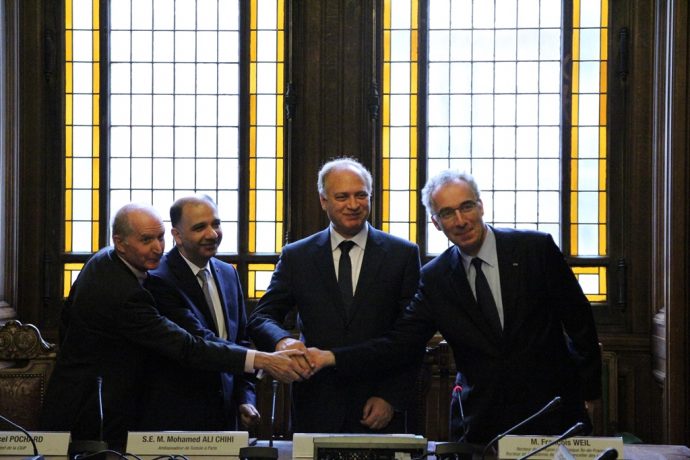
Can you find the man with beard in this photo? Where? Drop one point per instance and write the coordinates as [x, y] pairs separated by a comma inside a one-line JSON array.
[[203, 295], [349, 282]]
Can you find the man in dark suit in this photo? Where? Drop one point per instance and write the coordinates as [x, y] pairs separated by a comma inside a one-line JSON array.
[[343, 296], [179, 397], [110, 328], [538, 340]]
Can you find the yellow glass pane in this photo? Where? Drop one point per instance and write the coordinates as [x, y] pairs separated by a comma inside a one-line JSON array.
[[605, 17], [69, 271], [399, 164], [76, 170], [273, 85], [603, 142], [68, 236], [602, 109], [595, 287], [252, 204], [385, 146], [68, 77], [279, 234], [602, 199], [95, 246], [386, 213], [252, 236], [68, 14], [95, 205], [68, 107], [258, 273]]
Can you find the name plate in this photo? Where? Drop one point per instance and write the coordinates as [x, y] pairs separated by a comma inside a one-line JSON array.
[[16, 443], [588, 447], [213, 443]]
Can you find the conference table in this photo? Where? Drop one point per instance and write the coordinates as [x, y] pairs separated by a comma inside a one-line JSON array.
[[631, 451]]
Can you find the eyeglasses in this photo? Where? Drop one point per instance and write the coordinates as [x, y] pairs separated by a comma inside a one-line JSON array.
[[466, 207]]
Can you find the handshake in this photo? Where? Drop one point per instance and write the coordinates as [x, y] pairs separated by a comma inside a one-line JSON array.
[[293, 361]]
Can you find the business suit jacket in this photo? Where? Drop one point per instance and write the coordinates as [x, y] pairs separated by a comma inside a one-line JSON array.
[[305, 278], [548, 348], [180, 397], [111, 326]]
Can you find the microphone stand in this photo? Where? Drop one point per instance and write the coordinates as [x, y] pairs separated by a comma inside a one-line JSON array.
[[459, 450], [260, 452], [36, 456], [572, 431], [553, 404]]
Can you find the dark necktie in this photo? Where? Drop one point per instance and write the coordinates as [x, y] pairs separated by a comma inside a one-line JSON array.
[[484, 297], [345, 271], [203, 275]]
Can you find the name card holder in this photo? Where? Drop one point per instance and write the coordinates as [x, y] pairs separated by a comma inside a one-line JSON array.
[[188, 443], [17, 444], [581, 448]]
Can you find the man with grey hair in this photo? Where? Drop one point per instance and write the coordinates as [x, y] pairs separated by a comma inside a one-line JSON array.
[[349, 282], [110, 328], [521, 330]]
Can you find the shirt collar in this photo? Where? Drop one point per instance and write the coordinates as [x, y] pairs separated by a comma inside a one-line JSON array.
[[194, 267], [359, 239], [487, 252], [141, 276]]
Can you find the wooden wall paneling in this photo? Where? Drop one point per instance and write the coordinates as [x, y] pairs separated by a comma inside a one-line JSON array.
[[39, 163], [671, 266], [331, 61], [677, 219], [9, 159]]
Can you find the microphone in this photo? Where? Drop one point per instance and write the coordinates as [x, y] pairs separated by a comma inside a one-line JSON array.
[[608, 454], [572, 431], [270, 452], [459, 450], [554, 404], [78, 448], [274, 394], [36, 456], [457, 393]]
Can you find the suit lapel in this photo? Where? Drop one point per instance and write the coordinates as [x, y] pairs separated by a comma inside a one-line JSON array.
[[322, 255], [458, 279], [190, 285]]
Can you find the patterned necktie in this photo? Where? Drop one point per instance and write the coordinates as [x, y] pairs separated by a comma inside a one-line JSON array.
[[345, 272], [485, 299], [204, 275]]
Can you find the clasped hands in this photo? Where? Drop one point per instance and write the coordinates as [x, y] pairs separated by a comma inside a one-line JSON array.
[[293, 361], [297, 362]]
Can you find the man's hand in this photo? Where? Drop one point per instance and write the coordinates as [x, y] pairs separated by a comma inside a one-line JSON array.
[[249, 416], [288, 343], [281, 365], [320, 358], [377, 413]]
